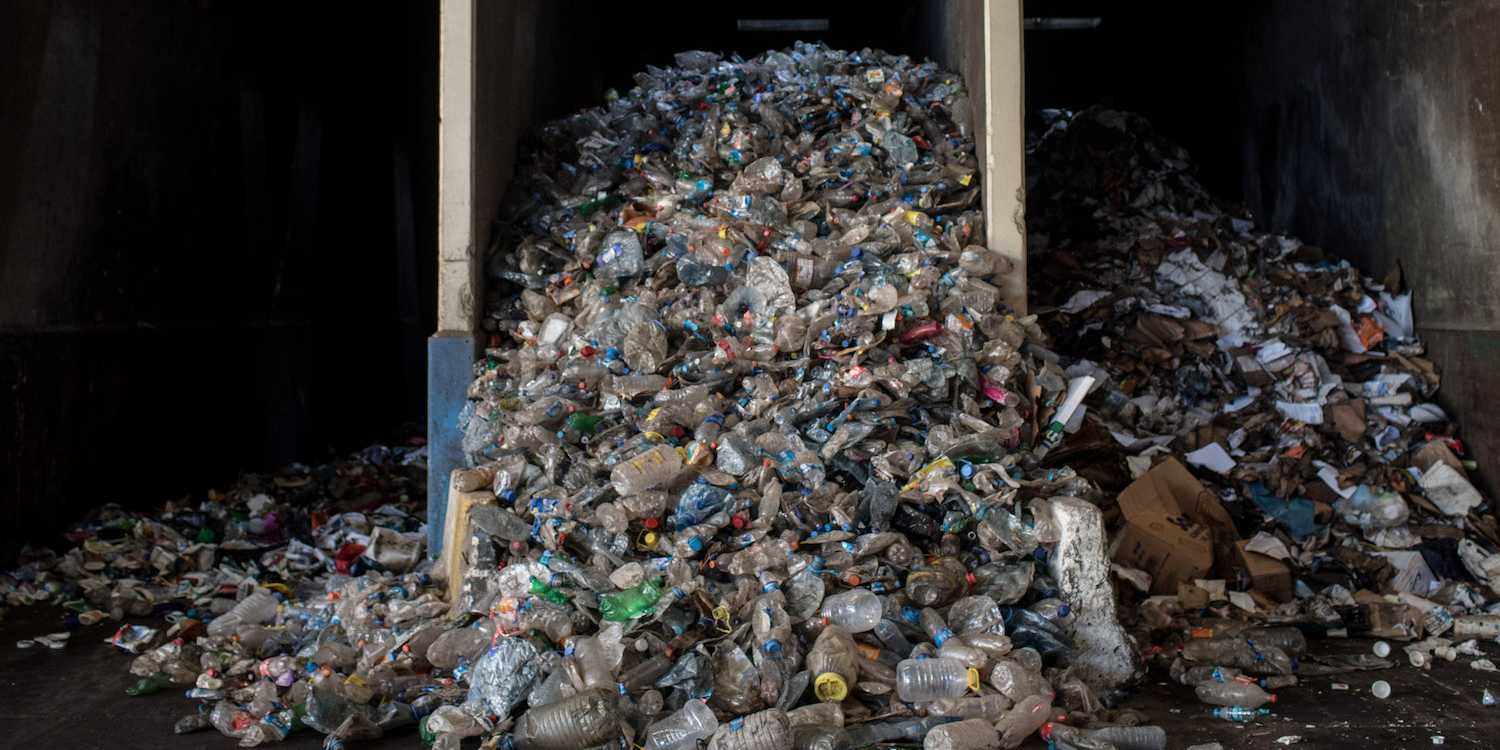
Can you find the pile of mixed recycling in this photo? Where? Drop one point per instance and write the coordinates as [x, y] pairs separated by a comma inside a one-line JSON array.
[[761, 458]]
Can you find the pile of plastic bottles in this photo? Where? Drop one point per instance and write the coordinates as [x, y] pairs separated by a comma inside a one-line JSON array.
[[761, 459], [753, 440]]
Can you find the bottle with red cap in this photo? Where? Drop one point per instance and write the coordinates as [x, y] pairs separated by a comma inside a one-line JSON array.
[[1024, 718], [1234, 693], [857, 610]]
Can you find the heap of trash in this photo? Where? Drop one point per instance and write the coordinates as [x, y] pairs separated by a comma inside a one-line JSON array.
[[760, 458]]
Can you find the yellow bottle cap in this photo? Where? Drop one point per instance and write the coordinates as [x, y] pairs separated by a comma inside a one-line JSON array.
[[830, 686]]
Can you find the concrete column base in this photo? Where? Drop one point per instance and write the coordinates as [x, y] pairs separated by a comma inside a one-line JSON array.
[[1107, 658]]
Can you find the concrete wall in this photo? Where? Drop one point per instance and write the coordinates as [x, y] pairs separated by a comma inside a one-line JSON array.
[[1373, 130], [211, 256]]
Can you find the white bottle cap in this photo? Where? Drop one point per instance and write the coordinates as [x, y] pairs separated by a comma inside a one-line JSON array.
[[1381, 689], [1382, 649]]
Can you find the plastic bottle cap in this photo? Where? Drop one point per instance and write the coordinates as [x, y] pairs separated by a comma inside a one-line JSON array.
[[695, 544], [1064, 610], [1381, 689], [649, 539], [651, 523], [1382, 649], [772, 648], [830, 687]]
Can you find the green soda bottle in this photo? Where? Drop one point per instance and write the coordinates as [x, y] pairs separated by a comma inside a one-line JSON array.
[[632, 602], [151, 683], [541, 589]]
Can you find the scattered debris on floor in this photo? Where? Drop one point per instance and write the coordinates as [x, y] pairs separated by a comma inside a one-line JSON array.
[[762, 459]]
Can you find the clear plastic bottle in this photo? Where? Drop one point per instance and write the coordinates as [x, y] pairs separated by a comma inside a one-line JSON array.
[[1203, 674], [1022, 720], [1017, 680], [766, 730], [920, 680], [682, 729], [649, 670], [1238, 713], [471, 480], [772, 627], [647, 470], [1132, 738], [1234, 693], [1237, 652], [935, 626], [735, 681], [857, 610], [890, 634], [969, 734], [499, 522], [833, 664], [820, 737], [989, 707], [256, 609], [584, 720], [1055, 611], [1290, 640]]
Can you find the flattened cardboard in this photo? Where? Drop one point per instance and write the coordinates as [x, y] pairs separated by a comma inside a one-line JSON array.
[[1174, 526]]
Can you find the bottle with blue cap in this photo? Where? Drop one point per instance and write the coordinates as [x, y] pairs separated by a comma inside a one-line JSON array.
[[1055, 611], [691, 541]]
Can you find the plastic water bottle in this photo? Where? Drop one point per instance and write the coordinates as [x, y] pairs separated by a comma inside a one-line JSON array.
[[645, 471], [1024, 718], [821, 737], [969, 734], [1238, 713], [766, 730], [856, 611], [682, 729], [1234, 693], [890, 634], [1055, 611], [989, 707], [1132, 738], [920, 680], [935, 626], [1064, 737], [257, 608], [587, 719], [832, 663]]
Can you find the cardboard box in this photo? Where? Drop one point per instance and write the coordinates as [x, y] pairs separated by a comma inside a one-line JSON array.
[[1172, 524], [1412, 573], [1268, 575]]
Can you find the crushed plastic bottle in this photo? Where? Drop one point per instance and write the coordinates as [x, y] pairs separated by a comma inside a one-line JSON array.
[[584, 720]]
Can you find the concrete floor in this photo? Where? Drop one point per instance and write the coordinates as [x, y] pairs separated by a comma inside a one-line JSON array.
[[75, 698]]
